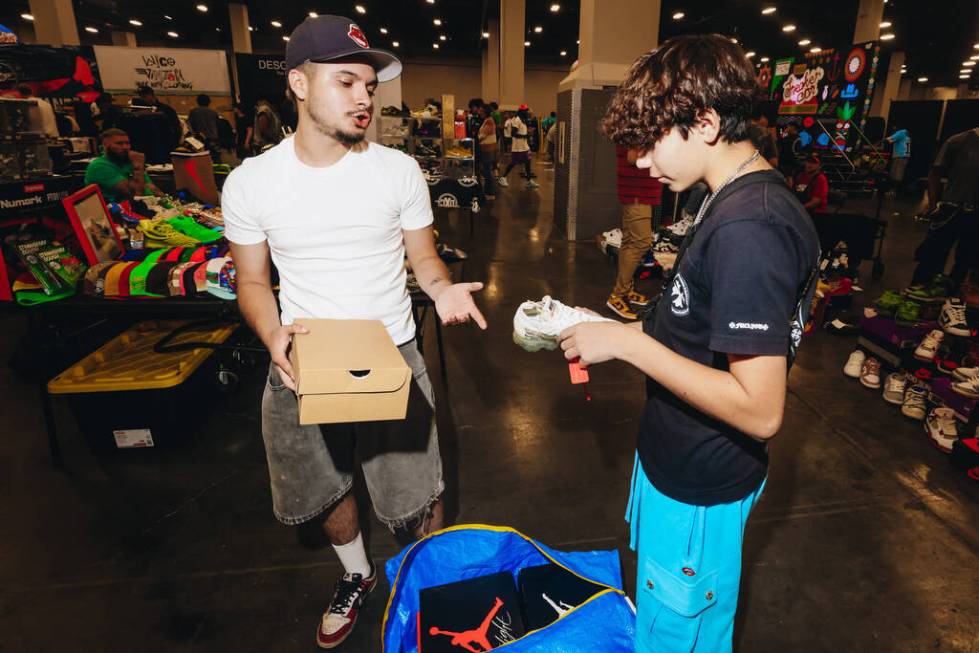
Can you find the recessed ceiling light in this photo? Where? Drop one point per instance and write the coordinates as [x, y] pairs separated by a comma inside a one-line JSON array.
[[538, 29], [885, 24], [92, 30], [815, 49], [441, 37], [437, 21], [395, 44], [970, 62], [285, 38], [276, 23], [734, 40], [764, 60], [173, 35], [431, 2], [435, 46], [804, 42], [555, 8], [27, 16], [965, 71], [202, 8], [974, 57], [564, 53], [526, 44], [485, 35], [383, 30], [678, 15], [578, 42], [135, 23], [886, 37], [789, 28], [251, 29], [360, 9], [168, 17], [313, 14], [975, 46], [922, 79], [963, 77], [217, 29], [768, 11], [750, 54]]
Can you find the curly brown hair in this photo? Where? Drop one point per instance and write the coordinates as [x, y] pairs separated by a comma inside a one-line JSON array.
[[674, 84]]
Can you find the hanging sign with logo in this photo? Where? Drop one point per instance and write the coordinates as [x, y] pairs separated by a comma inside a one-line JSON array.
[[165, 70]]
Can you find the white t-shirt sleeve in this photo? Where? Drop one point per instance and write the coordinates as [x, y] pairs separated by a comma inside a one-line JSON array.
[[240, 224], [416, 206]]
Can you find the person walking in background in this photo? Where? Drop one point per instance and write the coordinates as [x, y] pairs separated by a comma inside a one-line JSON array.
[[954, 212], [900, 139], [520, 152], [507, 130], [49, 124], [638, 194], [146, 97], [811, 185], [487, 149], [762, 137], [788, 150], [204, 120]]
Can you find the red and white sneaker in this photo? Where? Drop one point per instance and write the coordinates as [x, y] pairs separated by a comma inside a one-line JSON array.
[[341, 615]]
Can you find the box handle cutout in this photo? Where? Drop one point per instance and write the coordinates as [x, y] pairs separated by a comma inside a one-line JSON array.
[[359, 374]]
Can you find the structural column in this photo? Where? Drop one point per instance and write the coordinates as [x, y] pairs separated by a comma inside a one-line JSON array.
[[613, 34], [491, 63], [125, 39], [54, 22], [512, 37], [241, 37], [869, 15], [889, 90]]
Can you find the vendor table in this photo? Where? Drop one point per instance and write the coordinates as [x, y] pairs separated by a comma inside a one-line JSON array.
[[448, 193], [44, 322]]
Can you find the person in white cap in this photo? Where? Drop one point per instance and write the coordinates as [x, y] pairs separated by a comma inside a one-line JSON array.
[[337, 215]]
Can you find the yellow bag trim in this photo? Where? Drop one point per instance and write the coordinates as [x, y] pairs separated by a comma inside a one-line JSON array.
[[496, 529]]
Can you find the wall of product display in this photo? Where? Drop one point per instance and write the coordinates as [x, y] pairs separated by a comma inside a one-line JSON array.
[[23, 145]]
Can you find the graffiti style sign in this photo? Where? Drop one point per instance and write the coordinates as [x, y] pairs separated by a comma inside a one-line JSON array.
[[798, 92], [170, 70]]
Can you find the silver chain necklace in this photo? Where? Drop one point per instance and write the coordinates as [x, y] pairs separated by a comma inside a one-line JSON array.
[[710, 198]]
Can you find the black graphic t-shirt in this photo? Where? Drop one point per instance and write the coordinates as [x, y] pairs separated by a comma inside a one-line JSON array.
[[735, 292]]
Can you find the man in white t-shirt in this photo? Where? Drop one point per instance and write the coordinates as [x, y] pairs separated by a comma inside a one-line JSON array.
[[520, 152], [337, 216]]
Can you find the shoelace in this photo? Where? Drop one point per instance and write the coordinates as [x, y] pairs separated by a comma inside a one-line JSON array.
[[345, 594], [956, 313]]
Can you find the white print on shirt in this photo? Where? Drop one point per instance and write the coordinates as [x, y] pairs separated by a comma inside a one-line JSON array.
[[561, 608], [680, 304], [751, 326]]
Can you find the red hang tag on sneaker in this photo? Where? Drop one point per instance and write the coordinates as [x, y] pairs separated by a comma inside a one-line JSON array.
[[578, 373]]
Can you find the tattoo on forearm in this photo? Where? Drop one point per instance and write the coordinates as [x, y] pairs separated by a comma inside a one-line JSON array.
[[435, 281]]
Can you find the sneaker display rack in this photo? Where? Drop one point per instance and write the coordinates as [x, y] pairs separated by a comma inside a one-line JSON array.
[[920, 345]]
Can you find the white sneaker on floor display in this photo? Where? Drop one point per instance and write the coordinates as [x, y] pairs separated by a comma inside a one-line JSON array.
[[894, 387], [942, 429], [503, 182], [926, 350], [968, 388], [952, 319], [915, 402], [854, 364], [965, 373], [611, 238], [537, 324], [532, 184], [681, 227], [870, 373]]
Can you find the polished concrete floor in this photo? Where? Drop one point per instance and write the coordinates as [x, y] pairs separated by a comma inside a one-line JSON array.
[[865, 539]]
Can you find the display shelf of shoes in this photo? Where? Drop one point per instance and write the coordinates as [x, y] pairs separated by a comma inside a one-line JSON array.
[[459, 161], [396, 132]]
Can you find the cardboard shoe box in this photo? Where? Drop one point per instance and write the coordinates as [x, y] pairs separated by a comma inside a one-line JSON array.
[[349, 371]]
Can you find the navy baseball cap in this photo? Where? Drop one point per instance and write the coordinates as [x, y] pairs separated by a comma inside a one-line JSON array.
[[326, 38]]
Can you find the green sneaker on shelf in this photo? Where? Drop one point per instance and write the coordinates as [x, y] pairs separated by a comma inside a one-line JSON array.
[[908, 312], [888, 302]]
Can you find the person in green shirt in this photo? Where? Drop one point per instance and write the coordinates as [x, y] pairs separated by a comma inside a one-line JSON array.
[[120, 172]]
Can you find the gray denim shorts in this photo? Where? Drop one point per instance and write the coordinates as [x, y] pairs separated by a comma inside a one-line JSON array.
[[311, 467]]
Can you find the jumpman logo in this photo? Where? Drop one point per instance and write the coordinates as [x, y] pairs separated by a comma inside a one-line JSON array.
[[561, 607], [468, 638]]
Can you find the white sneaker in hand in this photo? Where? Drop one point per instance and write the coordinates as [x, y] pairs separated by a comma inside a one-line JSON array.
[[537, 324]]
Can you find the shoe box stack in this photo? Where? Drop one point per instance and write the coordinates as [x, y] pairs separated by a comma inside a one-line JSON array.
[[924, 339]]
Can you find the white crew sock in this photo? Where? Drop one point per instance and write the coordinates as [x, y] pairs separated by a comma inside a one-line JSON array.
[[353, 556]]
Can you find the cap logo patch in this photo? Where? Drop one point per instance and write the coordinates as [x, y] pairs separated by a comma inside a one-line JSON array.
[[357, 36]]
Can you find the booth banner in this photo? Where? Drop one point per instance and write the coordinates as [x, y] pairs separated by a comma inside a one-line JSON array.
[[260, 77], [65, 72], [828, 92], [165, 70]]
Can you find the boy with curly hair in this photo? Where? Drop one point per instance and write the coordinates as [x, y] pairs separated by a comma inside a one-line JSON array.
[[717, 347]]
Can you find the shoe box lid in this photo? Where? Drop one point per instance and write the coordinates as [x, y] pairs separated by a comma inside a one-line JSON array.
[[349, 371], [888, 330]]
